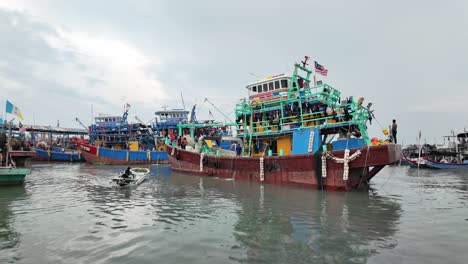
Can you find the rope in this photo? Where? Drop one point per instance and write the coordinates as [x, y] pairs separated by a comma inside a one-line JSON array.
[[324, 165], [201, 161], [365, 165], [262, 170]]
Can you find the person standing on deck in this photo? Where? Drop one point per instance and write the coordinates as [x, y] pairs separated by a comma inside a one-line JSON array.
[[394, 131]]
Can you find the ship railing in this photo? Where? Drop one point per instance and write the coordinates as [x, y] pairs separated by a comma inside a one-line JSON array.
[[282, 126]]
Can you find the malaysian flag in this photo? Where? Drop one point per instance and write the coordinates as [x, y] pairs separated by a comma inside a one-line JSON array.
[[320, 69]]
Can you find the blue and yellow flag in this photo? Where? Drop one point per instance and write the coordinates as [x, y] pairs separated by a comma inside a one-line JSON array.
[[12, 109]]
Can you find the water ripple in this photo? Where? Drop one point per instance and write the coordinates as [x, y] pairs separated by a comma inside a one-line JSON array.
[[70, 213]]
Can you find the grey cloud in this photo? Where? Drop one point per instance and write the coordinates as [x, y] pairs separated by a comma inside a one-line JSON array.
[[401, 55]]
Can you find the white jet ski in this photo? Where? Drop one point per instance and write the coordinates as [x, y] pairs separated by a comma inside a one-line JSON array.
[[134, 178]]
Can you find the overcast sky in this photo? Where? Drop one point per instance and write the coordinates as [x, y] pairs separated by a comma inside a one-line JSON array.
[[409, 58]]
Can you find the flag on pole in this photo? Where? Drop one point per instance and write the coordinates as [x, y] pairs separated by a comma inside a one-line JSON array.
[[320, 69], [12, 109]]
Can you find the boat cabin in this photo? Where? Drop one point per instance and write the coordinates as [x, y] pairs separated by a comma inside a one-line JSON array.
[[168, 119], [108, 121], [114, 131], [268, 85], [282, 111]]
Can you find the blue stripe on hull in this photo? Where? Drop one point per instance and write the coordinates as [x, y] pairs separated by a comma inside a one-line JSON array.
[[132, 155], [58, 156]]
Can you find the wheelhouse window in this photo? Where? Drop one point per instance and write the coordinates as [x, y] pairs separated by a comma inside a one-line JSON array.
[[270, 86], [284, 83], [254, 89], [277, 85], [265, 87]]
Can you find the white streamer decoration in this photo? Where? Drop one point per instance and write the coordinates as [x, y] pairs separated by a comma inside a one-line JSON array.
[[345, 160]]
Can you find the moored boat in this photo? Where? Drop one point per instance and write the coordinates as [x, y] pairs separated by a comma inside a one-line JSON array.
[[113, 140], [445, 165], [56, 154], [287, 126], [102, 155], [13, 176], [414, 162]]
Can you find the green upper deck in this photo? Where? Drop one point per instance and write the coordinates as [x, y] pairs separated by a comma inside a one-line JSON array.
[[300, 105]]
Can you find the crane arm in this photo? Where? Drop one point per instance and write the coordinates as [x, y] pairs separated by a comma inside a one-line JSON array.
[[79, 121]]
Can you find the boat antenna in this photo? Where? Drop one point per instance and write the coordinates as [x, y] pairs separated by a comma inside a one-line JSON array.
[[182, 97], [254, 75]]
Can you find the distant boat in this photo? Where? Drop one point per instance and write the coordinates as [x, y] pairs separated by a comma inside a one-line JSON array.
[[413, 162], [454, 156], [112, 140], [445, 165], [101, 155]]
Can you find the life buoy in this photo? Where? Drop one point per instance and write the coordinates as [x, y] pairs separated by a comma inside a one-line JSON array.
[[253, 103], [204, 161]]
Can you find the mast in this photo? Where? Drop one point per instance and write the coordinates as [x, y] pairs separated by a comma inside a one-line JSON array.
[[182, 97]]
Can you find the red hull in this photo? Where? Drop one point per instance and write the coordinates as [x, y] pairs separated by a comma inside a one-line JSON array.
[[294, 170], [91, 155]]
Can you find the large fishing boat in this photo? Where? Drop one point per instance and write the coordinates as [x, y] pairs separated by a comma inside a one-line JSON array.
[[288, 125], [113, 140]]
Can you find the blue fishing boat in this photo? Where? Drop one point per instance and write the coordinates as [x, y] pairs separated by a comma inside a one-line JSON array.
[[58, 154], [114, 140], [453, 156], [446, 165]]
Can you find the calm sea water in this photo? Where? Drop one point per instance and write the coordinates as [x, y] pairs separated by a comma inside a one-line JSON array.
[[69, 213]]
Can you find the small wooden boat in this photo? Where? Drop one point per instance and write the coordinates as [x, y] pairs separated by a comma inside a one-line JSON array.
[[12, 176], [415, 163], [138, 175], [445, 165]]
